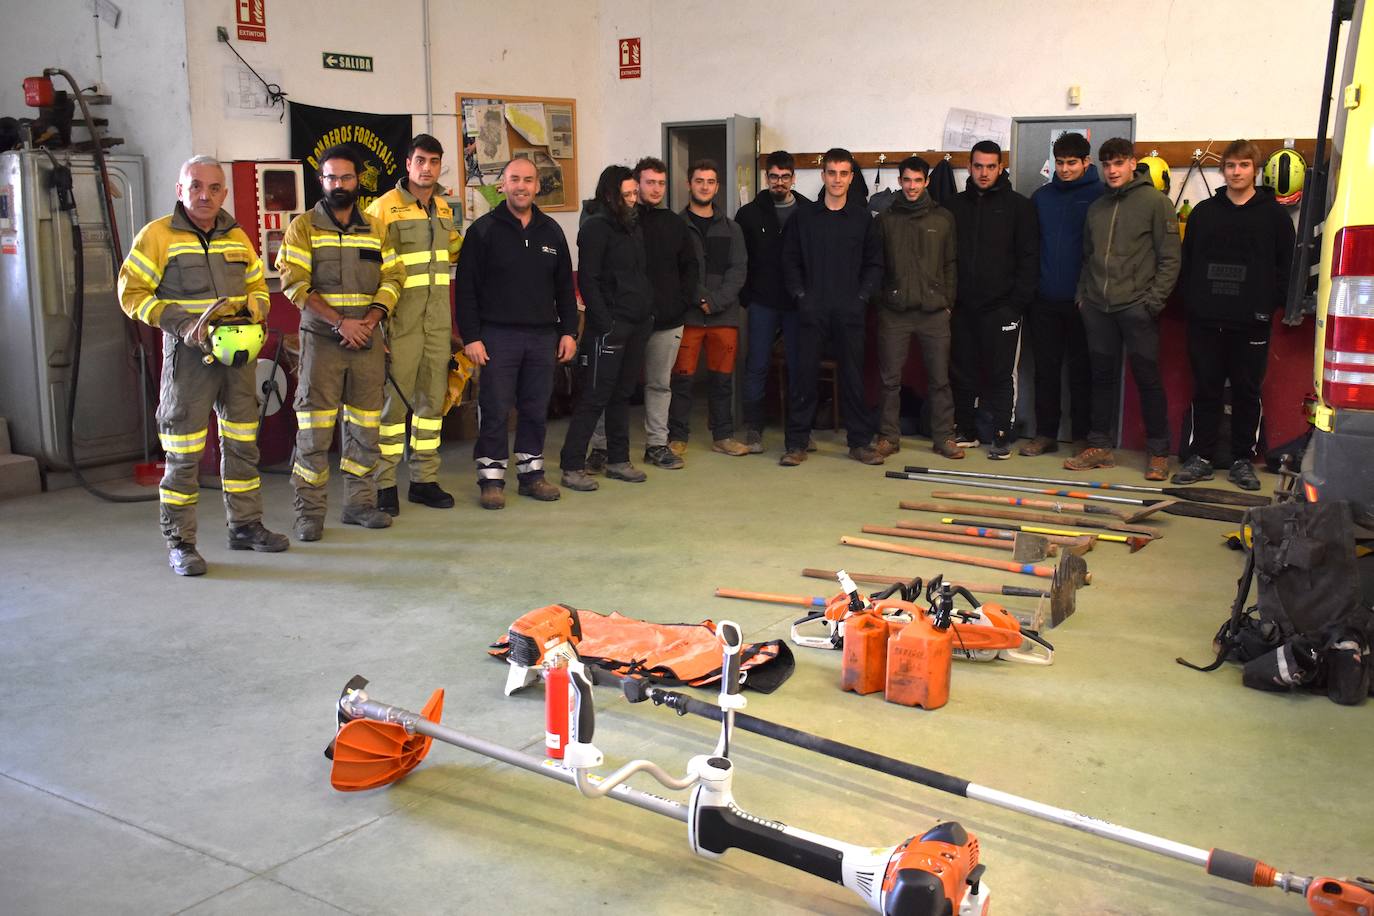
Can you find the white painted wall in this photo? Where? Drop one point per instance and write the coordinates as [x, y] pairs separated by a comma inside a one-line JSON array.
[[521, 47], [142, 62], [821, 74]]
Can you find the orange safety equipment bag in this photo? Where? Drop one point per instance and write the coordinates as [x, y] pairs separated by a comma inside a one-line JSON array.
[[674, 654]]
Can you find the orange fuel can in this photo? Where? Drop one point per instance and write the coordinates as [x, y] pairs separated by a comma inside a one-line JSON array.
[[864, 666], [919, 658]]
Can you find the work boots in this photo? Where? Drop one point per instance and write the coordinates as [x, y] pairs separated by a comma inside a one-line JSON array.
[[1242, 474], [185, 561], [430, 494], [365, 517], [730, 446], [253, 536], [661, 456], [493, 496], [1196, 468], [579, 480], [596, 461], [623, 470], [388, 501], [309, 528], [540, 489], [1091, 457]]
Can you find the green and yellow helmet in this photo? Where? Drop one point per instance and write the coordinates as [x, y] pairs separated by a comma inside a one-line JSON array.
[[1284, 172], [1157, 169], [236, 343]]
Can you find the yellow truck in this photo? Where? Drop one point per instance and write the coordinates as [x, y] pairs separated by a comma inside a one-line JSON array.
[[1339, 462]]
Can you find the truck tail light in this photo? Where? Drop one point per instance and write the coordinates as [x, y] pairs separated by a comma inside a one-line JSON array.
[[1348, 362]]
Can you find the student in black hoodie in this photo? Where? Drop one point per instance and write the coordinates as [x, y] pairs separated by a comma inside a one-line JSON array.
[[832, 264], [768, 307], [1236, 262], [619, 299], [517, 314], [999, 265]]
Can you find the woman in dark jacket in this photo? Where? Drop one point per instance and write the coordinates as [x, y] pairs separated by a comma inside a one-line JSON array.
[[619, 299]]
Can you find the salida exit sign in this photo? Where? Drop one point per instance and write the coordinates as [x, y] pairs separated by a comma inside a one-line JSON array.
[[628, 51]]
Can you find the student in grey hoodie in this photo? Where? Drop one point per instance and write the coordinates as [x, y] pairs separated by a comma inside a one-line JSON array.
[[1131, 257]]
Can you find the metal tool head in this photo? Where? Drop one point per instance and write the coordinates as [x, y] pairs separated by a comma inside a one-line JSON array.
[[1070, 575], [1030, 548], [1135, 515]]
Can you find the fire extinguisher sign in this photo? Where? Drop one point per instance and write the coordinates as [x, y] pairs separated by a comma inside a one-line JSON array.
[[628, 52], [251, 19]]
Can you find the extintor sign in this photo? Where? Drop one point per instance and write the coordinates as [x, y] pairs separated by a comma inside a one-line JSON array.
[[251, 18], [628, 53]]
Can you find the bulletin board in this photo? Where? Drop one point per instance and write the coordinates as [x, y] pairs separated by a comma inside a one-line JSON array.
[[495, 128]]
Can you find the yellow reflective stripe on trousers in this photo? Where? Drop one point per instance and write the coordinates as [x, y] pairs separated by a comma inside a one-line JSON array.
[[417, 280], [430, 423], [241, 432], [424, 433], [315, 419], [349, 466], [173, 498], [187, 444], [391, 448], [240, 486], [392, 429], [370, 419], [311, 477]]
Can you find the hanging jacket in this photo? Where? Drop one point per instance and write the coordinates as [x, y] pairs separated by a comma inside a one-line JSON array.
[[174, 271], [762, 229], [1131, 249], [671, 259], [1236, 260], [918, 243], [612, 272], [513, 274], [831, 259], [724, 265], [1062, 208], [940, 184], [999, 247]]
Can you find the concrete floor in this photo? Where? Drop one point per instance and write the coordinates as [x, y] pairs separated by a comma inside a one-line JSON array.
[[160, 738]]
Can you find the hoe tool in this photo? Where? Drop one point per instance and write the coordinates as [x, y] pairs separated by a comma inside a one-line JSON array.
[[935, 872], [1026, 548], [1323, 895], [1048, 518], [1192, 494]]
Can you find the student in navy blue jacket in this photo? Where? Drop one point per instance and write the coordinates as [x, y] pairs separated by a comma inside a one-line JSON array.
[[1052, 322]]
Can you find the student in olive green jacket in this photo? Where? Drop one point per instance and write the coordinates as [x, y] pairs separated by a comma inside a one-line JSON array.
[[1131, 257]]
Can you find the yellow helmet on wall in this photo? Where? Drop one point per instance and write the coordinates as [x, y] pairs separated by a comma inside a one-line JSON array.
[[1157, 169], [1284, 172]]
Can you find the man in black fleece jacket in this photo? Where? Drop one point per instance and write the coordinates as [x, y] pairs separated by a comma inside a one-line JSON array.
[[832, 264], [517, 314], [999, 266], [1236, 260]]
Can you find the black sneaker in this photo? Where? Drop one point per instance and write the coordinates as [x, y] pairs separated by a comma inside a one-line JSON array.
[[965, 439], [430, 494], [254, 536], [661, 456], [1194, 469], [596, 461], [1000, 449], [1243, 475], [388, 501]]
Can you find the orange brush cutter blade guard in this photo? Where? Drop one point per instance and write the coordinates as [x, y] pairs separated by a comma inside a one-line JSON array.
[[370, 754]]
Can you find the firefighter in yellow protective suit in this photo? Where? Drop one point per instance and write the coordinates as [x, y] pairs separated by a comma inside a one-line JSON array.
[[194, 261], [336, 269], [419, 225]]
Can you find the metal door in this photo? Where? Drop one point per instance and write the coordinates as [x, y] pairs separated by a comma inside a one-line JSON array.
[[733, 142], [1032, 165]]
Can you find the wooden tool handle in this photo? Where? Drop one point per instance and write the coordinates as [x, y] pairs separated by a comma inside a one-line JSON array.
[[1050, 505], [942, 536], [1025, 569], [770, 597]]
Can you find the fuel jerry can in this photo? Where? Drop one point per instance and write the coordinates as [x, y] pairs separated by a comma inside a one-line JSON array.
[[864, 666], [919, 658]]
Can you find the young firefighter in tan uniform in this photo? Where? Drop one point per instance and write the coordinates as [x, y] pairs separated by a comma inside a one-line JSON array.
[[180, 266], [335, 267], [419, 225]]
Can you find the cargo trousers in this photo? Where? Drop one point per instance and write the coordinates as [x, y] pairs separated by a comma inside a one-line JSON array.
[[190, 389], [332, 377]]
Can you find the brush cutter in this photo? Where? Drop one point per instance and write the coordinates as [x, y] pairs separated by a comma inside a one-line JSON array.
[[1192, 494], [937, 872], [1323, 895], [1147, 507]]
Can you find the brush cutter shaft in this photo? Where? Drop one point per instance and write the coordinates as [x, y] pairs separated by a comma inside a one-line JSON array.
[[414, 722]]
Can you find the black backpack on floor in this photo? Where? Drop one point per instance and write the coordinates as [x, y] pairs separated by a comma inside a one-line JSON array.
[[1309, 627]]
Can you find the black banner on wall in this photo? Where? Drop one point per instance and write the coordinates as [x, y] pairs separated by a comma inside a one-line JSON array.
[[379, 140]]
